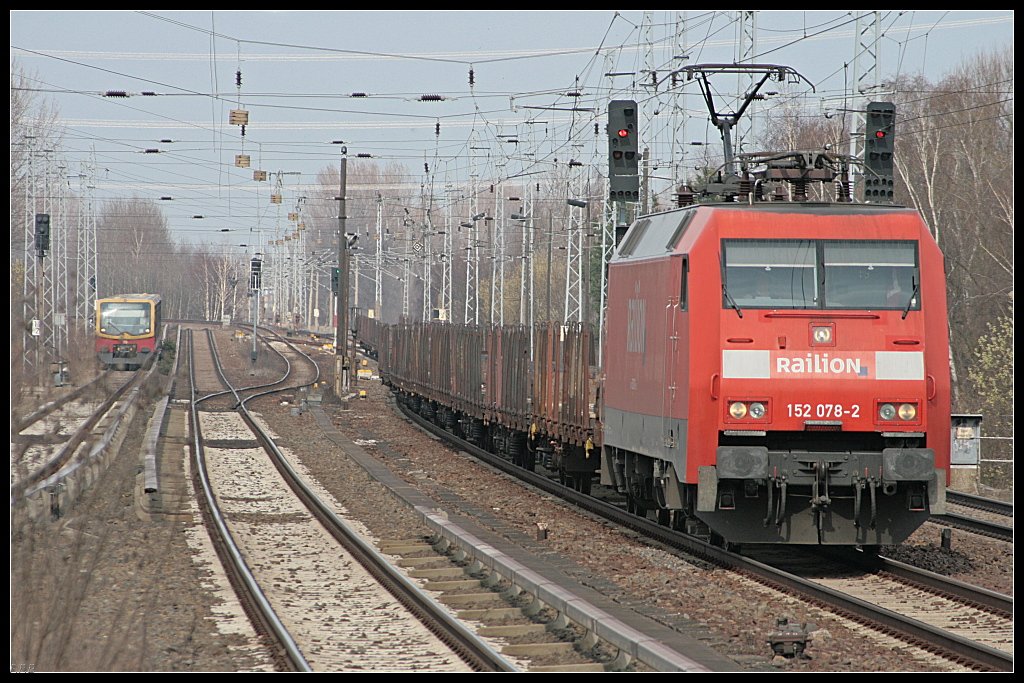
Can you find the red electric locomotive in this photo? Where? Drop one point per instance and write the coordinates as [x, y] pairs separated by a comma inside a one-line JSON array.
[[778, 372], [126, 330]]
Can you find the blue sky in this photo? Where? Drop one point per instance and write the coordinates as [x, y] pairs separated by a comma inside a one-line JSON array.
[[301, 69]]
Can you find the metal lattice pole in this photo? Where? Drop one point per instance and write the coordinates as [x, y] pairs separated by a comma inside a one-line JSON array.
[[864, 79], [446, 257], [30, 284], [472, 316], [679, 114], [406, 276], [87, 253], [746, 50], [59, 306], [574, 251], [427, 272], [378, 261], [497, 260]]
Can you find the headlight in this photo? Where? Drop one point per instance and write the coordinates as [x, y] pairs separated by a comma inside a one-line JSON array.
[[887, 411], [738, 410], [822, 335], [757, 410], [908, 411]]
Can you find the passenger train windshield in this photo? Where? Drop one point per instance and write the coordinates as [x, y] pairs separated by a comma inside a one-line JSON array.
[[831, 274], [124, 318]]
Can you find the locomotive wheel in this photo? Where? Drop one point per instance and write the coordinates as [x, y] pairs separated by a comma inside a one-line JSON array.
[[664, 517], [678, 522]]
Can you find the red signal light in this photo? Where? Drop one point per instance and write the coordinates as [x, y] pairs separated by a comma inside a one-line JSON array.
[[879, 134], [623, 133]]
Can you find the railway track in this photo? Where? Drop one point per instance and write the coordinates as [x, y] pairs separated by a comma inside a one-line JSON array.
[[330, 600], [992, 505], [55, 449], [983, 527], [966, 624], [44, 441], [97, 385], [983, 516], [993, 652]]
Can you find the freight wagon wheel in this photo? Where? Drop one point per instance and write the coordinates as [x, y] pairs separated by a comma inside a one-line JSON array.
[[634, 507], [719, 541], [530, 461], [584, 480]]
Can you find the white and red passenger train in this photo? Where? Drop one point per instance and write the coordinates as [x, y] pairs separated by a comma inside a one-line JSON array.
[[776, 372]]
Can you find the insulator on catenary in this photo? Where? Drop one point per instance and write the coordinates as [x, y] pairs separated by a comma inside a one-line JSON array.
[[431, 98], [116, 93], [472, 79]]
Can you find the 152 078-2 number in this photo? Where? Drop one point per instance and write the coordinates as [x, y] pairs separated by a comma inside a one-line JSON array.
[[822, 410]]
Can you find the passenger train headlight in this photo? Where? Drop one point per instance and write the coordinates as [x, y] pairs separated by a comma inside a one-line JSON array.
[[738, 410], [757, 410], [908, 411], [887, 411]]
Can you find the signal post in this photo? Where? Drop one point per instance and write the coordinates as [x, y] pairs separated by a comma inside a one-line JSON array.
[[342, 361]]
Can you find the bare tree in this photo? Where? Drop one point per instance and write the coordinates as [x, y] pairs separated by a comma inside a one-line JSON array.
[[34, 123], [134, 248], [954, 146]]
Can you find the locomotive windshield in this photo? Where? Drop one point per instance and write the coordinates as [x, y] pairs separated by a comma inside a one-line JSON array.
[[832, 274], [771, 273], [870, 274], [124, 318]]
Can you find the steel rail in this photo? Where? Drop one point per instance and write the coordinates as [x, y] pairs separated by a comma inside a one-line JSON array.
[[988, 504], [475, 652], [259, 606], [920, 633]]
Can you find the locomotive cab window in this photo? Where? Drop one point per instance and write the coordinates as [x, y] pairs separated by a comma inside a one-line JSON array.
[[770, 273], [871, 275]]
